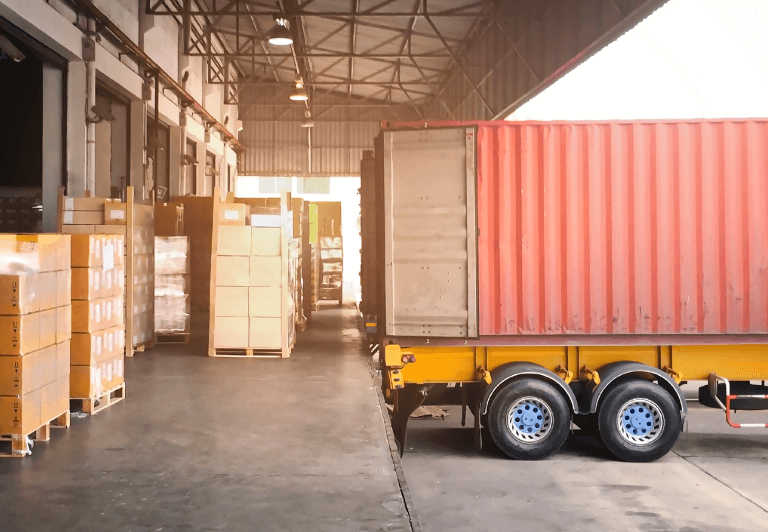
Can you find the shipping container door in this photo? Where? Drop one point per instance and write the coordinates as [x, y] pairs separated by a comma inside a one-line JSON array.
[[430, 233]]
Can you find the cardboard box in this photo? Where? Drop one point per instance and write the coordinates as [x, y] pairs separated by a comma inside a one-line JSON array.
[[63, 287], [233, 214], [20, 374], [63, 359], [113, 281], [83, 217], [85, 382], [52, 253], [112, 373], [232, 271], [265, 271], [78, 229], [264, 333], [18, 256], [96, 315], [18, 294], [20, 415], [234, 240], [87, 283], [109, 230], [86, 204], [63, 324], [87, 251], [114, 214], [143, 215], [265, 241], [231, 301], [265, 301], [46, 290], [113, 251], [48, 323], [19, 335], [87, 348], [231, 332], [54, 399], [46, 359]]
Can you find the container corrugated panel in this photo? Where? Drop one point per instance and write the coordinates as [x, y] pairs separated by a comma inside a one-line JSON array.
[[623, 228]]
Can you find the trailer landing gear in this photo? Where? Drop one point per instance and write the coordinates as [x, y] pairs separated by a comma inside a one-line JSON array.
[[407, 400]]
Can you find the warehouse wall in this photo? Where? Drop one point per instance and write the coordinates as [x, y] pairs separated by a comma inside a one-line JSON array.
[[52, 23], [278, 148]]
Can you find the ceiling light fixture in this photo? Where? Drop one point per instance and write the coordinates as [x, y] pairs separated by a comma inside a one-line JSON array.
[[299, 93], [307, 122], [281, 34]]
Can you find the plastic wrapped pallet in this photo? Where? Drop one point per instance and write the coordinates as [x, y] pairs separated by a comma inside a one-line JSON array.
[[35, 332], [98, 299], [172, 285]]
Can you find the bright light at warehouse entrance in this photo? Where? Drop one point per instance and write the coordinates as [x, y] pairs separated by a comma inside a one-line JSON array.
[[280, 34]]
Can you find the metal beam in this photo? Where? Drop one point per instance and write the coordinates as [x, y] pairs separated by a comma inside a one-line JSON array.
[[428, 18]]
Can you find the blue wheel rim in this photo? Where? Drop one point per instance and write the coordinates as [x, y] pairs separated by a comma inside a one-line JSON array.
[[529, 420], [640, 422]]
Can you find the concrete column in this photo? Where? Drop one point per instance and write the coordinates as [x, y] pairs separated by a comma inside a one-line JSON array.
[[53, 150], [136, 139], [175, 170], [76, 130], [119, 169]]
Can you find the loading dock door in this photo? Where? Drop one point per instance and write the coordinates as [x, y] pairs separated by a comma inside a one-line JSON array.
[[430, 233]]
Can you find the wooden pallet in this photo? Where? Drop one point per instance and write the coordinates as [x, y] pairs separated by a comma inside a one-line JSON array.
[[141, 347], [246, 353], [94, 405], [173, 338], [19, 446]]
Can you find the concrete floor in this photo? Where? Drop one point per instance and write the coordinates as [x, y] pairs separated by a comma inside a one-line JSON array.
[[205, 444], [715, 479]]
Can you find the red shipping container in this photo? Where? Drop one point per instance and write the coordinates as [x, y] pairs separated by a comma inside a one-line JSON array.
[[623, 228]]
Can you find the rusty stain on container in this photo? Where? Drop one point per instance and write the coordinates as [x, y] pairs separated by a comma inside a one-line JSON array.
[[623, 228]]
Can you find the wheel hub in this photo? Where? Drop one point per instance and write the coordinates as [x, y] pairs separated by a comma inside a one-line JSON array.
[[640, 421], [529, 419]]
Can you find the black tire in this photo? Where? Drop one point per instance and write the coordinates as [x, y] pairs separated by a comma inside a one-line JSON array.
[[651, 400], [537, 395]]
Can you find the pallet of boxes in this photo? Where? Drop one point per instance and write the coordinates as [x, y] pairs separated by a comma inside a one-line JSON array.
[[172, 289], [98, 334], [136, 222], [252, 282], [35, 330]]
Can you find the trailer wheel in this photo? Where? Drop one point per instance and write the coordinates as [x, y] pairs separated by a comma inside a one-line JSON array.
[[639, 421], [529, 419]]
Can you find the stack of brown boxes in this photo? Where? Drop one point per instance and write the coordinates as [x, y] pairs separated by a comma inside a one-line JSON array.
[[172, 284], [254, 303], [98, 334], [34, 331], [142, 241]]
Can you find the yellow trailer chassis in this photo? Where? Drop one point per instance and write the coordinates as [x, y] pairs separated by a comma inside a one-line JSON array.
[[587, 378]]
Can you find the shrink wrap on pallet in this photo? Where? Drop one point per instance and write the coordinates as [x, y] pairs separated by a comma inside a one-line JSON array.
[[172, 285]]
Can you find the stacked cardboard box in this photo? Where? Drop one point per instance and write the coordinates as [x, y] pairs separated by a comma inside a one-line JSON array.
[[98, 333], [142, 241], [35, 331], [172, 285], [254, 306]]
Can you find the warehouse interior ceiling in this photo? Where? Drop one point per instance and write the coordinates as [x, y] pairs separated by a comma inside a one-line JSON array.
[[371, 60], [362, 62]]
